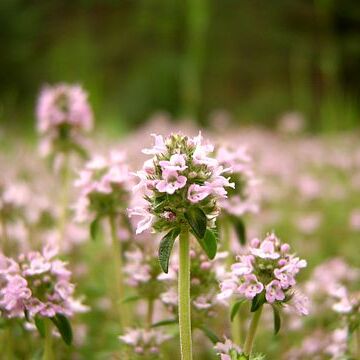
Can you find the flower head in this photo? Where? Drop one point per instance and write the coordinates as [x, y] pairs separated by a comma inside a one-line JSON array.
[[105, 186], [181, 174], [38, 285], [266, 269], [63, 115]]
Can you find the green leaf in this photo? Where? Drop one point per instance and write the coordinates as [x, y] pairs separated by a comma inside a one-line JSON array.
[[197, 220], [209, 243], [239, 229], [131, 298], [95, 228], [165, 248], [27, 315], [235, 308], [165, 322], [63, 325], [258, 300], [40, 325], [209, 334], [277, 319]]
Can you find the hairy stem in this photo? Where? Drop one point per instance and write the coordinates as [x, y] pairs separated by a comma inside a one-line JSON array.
[[252, 332], [48, 342], [184, 297], [119, 287], [65, 183]]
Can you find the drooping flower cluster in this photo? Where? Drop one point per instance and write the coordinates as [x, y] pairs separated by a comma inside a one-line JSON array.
[[244, 197], [180, 174], [64, 116], [145, 343], [37, 284], [267, 270], [105, 186]]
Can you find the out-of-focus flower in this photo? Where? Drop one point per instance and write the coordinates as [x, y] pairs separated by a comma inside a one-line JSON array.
[[105, 186], [227, 350], [244, 197], [143, 342], [267, 268], [38, 284], [63, 117]]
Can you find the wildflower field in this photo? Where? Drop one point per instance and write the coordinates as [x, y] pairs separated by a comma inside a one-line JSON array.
[[180, 180], [174, 242]]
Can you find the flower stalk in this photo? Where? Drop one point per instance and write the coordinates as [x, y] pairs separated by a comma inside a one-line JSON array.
[[249, 341], [184, 297], [65, 183], [48, 342], [119, 289]]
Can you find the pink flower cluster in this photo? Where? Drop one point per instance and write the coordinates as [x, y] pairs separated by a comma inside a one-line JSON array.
[[227, 350], [180, 173], [63, 113], [267, 267], [36, 284], [144, 342], [244, 197], [105, 186]]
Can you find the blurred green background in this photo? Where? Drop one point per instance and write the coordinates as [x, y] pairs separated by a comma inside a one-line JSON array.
[[256, 59]]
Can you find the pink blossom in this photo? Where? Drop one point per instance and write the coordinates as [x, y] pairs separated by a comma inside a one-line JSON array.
[[266, 250], [244, 265], [286, 279], [197, 193], [171, 182], [158, 147], [147, 218], [251, 286], [274, 292], [176, 163]]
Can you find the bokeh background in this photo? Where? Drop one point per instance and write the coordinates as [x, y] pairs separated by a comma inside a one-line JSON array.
[[256, 59]]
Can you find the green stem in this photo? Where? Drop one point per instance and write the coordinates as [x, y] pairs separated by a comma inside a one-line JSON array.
[[119, 288], [5, 237], [252, 332], [237, 323], [358, 343], [8, 343], [64, 201], [48, 343], [184, 297]]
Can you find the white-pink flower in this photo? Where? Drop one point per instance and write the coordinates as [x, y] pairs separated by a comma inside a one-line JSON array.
[[171, 182], [274, 292], [176, 163], [251, 286], [197, 193]]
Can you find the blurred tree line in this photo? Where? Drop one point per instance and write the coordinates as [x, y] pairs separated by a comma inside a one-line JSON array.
[[254, 58]]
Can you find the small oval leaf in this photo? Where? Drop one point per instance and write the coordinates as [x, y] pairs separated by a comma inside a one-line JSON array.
[[239, 229], [94, 228], [63, 325], [165, 248], [209, 334], [165, 322], [277, 320], [209, 243], [235, 308], [197, 221], [39, 323], [258, 301]]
